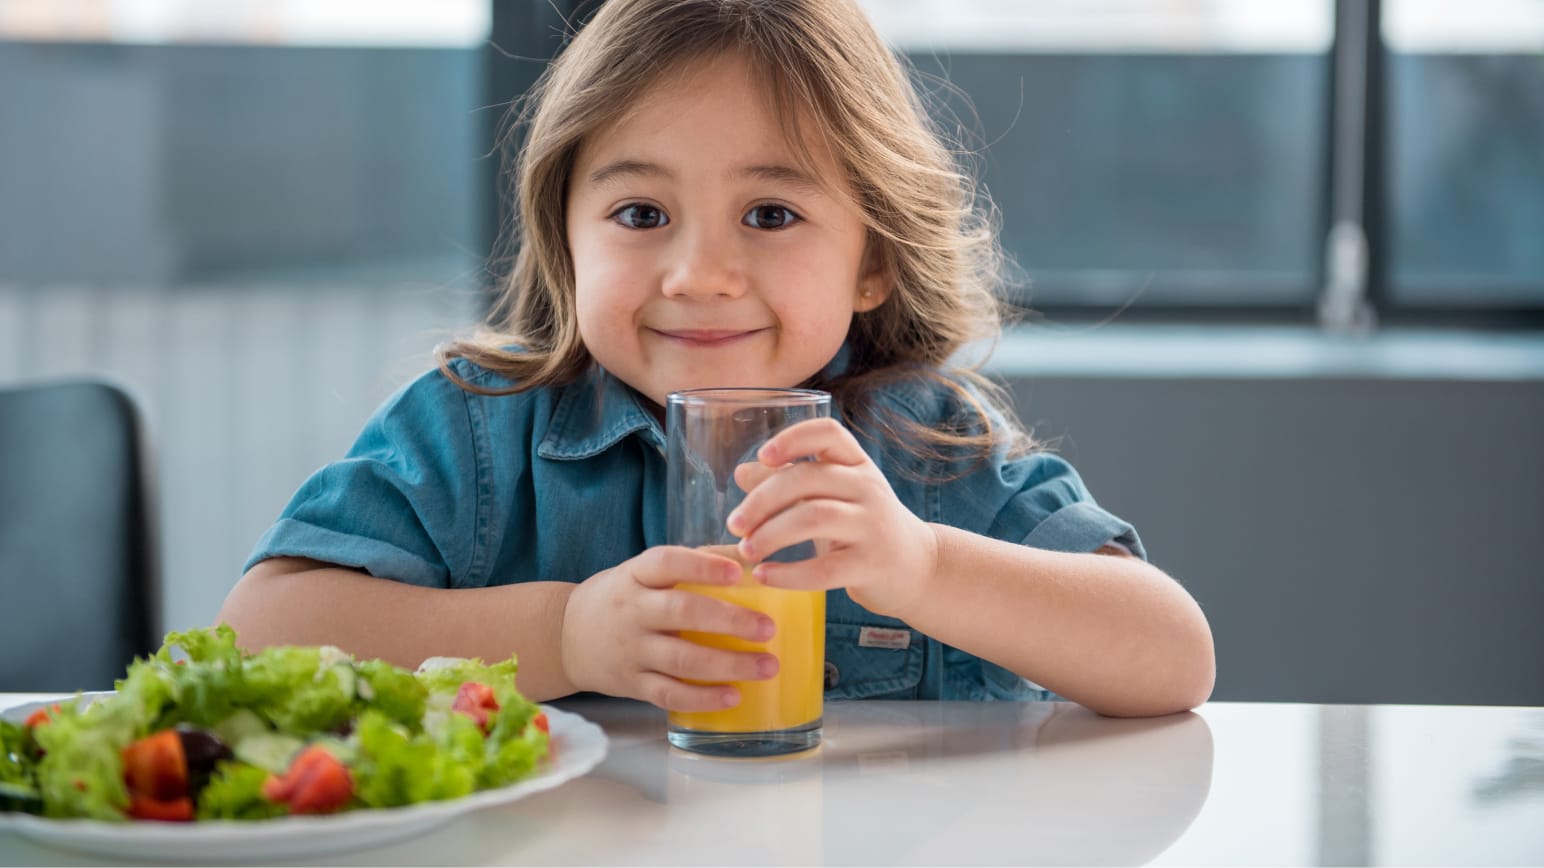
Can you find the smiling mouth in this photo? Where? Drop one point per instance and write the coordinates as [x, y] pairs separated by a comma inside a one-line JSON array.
[[706, 337]]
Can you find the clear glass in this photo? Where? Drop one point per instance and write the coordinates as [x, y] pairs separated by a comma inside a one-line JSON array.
[[710, 432]]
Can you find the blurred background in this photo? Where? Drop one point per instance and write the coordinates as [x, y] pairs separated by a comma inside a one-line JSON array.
[[1281, 267]]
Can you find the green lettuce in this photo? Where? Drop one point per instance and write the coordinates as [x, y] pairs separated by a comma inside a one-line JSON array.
[[211, 645], [394, 692], [235, 792], [18, 783], [299, 691], [394, 729], [81, 773], [16, 750], [398, 767]]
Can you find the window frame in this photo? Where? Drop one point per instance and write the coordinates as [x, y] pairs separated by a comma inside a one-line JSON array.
[[1353, 294]]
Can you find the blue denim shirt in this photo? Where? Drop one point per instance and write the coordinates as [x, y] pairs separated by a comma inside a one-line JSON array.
[[449, 489]]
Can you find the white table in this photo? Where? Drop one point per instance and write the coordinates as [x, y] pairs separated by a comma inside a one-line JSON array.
[[998, 783]]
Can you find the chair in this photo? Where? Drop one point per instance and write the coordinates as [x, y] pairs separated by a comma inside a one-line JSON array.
[[78, 589]]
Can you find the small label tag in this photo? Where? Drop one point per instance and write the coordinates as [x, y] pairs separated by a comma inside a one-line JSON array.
[[882, 637]]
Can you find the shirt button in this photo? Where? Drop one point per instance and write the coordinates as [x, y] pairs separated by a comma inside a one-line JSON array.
[[833, 675]]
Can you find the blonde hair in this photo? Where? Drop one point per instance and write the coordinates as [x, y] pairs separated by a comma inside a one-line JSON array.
[[821, 61]]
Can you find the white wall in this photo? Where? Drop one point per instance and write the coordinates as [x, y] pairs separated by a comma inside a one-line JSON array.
[[244, 390]]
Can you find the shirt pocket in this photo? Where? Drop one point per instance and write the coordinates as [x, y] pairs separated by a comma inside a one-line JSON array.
[[873, 664]]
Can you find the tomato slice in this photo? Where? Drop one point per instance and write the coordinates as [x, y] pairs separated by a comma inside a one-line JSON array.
[[475, 700], [41, 716], [540, 722], [316, 783], [155, 766], [178, 810]]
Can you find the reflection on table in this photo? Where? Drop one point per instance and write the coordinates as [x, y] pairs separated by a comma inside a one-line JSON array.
[[1004, 783], [935, 783]]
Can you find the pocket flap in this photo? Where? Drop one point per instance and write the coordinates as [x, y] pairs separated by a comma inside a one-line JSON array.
[[873, 662]]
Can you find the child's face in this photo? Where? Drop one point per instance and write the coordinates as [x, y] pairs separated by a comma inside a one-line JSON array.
[[702, 256]]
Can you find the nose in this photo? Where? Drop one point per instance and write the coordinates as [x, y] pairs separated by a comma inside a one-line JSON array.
[[706, 264]]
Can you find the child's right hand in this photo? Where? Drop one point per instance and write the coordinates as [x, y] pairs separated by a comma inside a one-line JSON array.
[[620, 632]]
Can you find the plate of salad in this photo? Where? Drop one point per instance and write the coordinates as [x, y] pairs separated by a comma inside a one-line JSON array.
[[206, 752]]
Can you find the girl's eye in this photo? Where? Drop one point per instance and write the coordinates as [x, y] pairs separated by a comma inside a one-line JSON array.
[[638, 216], [770, 217]]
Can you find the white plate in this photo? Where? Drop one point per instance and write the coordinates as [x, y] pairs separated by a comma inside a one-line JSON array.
[[577, 746]]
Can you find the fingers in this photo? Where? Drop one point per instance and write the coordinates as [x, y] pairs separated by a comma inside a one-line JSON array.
[[629, 631], [824, 518], [823, 573], [667, 566], [681, 675], [684, 659], [821, 439], [753, 473], [674, 695], [796, 484], [672, 611]]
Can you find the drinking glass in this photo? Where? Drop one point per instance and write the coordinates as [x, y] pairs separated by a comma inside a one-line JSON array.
[[710, 432]]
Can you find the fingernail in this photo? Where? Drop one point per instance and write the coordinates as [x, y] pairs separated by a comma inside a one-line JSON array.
[[766, 628], [730, 698], [760, 573], [767, 454], [746, 550], [735, 521], [766, 667], [731, 572]]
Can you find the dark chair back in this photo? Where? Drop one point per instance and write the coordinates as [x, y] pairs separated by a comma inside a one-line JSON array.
[[78, 588]]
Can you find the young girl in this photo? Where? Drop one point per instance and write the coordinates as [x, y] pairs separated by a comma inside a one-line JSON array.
[[729, 193]]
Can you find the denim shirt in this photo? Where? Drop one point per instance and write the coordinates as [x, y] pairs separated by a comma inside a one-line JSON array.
[[446, 488]]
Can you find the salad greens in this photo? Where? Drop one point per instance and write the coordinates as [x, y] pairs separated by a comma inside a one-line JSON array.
[[221, 733]]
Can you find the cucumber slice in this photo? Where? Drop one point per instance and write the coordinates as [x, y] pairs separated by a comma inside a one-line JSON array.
[[270, 751], [240, 726]]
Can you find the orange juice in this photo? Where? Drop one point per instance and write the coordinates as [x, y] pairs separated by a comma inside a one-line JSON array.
[[792, 697]]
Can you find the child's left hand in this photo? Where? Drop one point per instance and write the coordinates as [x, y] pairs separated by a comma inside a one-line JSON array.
[[871, 544]]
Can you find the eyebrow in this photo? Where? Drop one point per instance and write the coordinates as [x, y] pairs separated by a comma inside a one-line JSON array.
[[786, 175], [623, 168], [773, 173]]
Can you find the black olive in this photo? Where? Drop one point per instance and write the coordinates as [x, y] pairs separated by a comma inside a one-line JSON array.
[[16, 796], [202, 750], [344, 729]]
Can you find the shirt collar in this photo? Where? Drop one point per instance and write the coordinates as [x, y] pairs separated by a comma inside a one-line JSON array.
[[596, 411], [839, 363], [593, 414]]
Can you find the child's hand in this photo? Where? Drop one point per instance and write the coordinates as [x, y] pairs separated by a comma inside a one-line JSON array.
[[619, 632], [871, 544]]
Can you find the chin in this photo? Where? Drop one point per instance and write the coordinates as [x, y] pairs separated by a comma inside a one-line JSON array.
[[734, 383], [705, 377]]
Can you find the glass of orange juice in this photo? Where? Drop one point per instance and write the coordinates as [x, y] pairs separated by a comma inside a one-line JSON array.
[[709, 433]]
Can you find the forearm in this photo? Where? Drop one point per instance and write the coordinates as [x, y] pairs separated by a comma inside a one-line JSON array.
[[1112, 633], [288, 601]]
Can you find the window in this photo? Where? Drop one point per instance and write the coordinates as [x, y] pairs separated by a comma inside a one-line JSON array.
[[1152, 154], [1465, 171], [1189, 157], [170, 142], [459, 23]]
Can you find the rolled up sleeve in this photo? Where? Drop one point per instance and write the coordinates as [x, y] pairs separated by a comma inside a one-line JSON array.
[[1039, 500], [402, 504]]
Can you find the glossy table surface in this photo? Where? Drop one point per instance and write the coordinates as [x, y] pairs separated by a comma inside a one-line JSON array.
[[999, 783]]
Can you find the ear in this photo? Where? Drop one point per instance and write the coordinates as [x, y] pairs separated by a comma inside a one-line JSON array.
[[874, 280]]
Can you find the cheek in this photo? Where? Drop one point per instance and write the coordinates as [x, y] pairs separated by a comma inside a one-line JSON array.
[[605, 308], [603, 287], [602, 265], [595, 313]]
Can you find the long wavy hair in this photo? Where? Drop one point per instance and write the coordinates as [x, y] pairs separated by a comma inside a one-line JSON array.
[[824, 67]]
